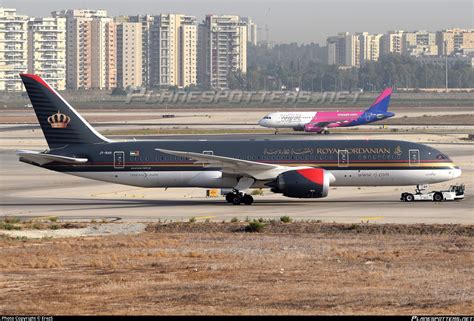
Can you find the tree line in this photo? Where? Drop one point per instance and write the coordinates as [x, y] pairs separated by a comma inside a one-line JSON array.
[[288, 66]]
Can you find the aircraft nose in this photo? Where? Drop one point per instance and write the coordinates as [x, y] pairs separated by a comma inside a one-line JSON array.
[[457, 172], [389, 114]]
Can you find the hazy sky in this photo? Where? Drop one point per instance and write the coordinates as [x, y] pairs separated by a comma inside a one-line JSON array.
[[288, 21]]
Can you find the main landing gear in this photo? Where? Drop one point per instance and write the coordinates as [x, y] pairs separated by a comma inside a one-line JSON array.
[[324, 132], [235, 197]]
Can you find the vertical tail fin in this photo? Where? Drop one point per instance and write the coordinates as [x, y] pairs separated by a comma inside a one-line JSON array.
[[381, 103], [61, 124]]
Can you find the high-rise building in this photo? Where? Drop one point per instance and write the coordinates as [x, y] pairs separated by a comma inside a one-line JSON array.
[[173, 51], [104, 53], [47, 50], [343, 50], [223, 49], [251, 30], [392, 42], [13, 49], [90, 50], [369, 46], [352, 50], [129, 54], [147, 23], [452, 41], [335, 48], [419, 43]]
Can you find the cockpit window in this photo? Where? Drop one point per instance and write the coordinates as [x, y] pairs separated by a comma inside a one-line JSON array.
[[267, 117], [441, 156]]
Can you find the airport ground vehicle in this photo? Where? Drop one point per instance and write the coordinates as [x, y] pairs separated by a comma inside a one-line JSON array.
[[455, 192]]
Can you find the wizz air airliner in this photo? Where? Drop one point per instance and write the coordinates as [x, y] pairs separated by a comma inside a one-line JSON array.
[[294, 168], [320, 122]]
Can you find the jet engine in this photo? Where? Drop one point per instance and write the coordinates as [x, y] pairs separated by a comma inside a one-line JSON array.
[[298, 129], [303, 183], [310, 128]]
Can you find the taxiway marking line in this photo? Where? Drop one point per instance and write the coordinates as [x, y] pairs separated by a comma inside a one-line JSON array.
[[204, 217], [372, 218]]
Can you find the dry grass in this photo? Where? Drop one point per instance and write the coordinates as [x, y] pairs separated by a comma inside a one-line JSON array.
[[322, 271], [46, 223]]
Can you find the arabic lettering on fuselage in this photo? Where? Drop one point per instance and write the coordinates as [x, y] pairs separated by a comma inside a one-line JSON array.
[[288, 151]]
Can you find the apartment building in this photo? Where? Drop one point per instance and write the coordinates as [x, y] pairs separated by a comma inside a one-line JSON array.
[[147, 23], [173, 51], [453, 41], [251, 30], [369, 46], [335, 47], [90, 49], [13, 49], [419, 43], [223, 49], [47, 50], [129, 54], [344, 50], [392, 42]]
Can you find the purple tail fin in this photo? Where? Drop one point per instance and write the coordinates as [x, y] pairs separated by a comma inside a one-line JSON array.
[[381, 103]]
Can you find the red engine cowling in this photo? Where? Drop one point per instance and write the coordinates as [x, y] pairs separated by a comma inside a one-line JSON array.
[[303, 183]]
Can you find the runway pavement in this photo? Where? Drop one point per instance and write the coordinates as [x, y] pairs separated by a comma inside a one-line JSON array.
[[30, 191]]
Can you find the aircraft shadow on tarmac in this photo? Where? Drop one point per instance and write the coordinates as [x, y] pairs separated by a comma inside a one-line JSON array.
[[114, 203]]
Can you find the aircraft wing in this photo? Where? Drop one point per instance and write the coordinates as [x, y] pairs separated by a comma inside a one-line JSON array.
[[319, 124], [43, 158], [324, 124], [257, 170]]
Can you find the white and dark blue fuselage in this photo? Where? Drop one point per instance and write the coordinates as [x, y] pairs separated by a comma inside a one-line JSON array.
[[352, 162], [295, 168]]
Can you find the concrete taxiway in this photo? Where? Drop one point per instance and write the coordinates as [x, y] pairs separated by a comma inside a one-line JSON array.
[[30, 191]]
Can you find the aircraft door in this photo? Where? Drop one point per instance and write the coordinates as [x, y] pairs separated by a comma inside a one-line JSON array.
[[119, 159], [343, 158], [414, 157]]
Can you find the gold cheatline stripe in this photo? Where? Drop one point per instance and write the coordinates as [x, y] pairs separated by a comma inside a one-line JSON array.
[[295, 164]]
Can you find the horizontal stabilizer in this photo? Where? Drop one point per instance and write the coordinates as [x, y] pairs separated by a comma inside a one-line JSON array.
[[42, 158]]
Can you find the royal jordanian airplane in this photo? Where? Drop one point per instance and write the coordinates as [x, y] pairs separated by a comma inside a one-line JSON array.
[[294, 168], [320, 122]]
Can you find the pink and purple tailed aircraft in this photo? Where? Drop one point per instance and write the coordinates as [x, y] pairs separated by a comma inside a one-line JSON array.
[[320, 122]]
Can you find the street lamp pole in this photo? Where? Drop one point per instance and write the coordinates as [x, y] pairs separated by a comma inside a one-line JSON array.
[[446, 63]]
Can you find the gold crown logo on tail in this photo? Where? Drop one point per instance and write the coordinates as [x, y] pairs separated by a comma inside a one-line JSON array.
[[59, 120]]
